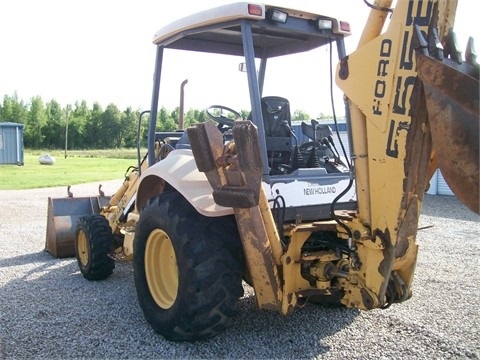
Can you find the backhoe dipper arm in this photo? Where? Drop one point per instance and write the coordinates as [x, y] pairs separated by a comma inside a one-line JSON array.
[[392, 146]]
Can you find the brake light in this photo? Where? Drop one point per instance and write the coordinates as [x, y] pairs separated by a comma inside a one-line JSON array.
[[254, 9], [344, 26]]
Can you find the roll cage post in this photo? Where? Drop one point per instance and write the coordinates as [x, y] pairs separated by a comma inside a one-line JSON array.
[[254, 89], [152, 125]]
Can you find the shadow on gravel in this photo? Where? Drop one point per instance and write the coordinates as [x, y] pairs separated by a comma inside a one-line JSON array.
[[26, 259], [50, 311], [261, 334]]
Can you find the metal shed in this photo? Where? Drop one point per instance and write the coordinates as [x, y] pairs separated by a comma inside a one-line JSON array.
[[11, 143], [438, 185]]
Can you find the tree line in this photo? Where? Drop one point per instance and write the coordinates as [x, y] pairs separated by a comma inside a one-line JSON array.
[[48, 124]]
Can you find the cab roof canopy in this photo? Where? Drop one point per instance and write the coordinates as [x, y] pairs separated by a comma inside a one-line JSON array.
[[219, 30]]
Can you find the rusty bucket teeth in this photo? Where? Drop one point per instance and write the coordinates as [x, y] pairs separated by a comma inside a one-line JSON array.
[[471, 53]]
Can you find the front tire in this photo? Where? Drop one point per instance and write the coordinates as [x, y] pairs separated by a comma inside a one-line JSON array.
[[93, 242], [187, 269]]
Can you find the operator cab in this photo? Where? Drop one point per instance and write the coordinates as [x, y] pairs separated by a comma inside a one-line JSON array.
[[299, 165]]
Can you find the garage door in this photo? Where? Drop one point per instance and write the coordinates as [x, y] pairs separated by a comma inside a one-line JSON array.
[[442, 186]]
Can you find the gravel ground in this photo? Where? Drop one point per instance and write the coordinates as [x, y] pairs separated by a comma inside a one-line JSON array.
[[49, 311]]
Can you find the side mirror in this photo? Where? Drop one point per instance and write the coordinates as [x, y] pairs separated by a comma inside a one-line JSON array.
[[242, 67]]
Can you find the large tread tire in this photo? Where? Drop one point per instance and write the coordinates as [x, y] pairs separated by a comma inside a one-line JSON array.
[[93, 242], [204, 282]]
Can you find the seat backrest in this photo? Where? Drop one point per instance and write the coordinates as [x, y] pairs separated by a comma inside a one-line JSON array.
[[276, 114], [278, 138]]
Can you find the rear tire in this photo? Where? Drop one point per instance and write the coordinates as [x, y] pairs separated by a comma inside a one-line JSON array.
[[93, 242], [187, 269]]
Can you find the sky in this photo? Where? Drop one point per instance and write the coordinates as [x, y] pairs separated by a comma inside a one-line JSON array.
[[102, 51]]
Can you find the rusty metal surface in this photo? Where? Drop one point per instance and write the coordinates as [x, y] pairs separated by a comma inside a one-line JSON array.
[[452, 101], [235, 174], [62, 218], [207, 145]]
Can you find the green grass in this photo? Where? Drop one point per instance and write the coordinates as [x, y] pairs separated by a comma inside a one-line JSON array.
[[79, 167]]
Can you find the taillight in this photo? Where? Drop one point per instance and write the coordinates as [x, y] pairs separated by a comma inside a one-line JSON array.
[[254, 9], [344, 26]]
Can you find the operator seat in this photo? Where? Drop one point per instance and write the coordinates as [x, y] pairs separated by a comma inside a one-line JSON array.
[[278, 137]]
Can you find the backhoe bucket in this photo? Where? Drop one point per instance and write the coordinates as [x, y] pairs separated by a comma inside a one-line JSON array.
[[63, 215], [452, 102]]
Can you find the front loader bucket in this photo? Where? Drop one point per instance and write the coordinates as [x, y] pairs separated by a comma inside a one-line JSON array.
[[63, 215], [452, 102]]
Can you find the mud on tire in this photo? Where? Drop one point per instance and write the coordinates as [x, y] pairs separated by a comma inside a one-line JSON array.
[[93, 242], [195, 296]]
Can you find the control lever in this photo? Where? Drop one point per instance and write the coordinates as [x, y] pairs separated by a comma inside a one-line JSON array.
[[284, 123], [330, 139], [297, 158], [327, 144]]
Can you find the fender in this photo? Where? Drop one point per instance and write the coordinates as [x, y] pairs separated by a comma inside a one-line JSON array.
[[179, 170]]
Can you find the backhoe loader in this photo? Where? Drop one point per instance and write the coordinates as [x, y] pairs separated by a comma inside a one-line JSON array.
[[240, 201]]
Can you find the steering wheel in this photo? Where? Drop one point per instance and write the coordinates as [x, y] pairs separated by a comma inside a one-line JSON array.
[[219, 114]]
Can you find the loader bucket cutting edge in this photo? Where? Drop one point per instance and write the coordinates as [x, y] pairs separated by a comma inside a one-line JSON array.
[[62, 218], [452, 101]]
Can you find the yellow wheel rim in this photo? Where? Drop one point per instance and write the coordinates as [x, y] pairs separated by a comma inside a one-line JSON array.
[[161, 268], [82, 248]]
